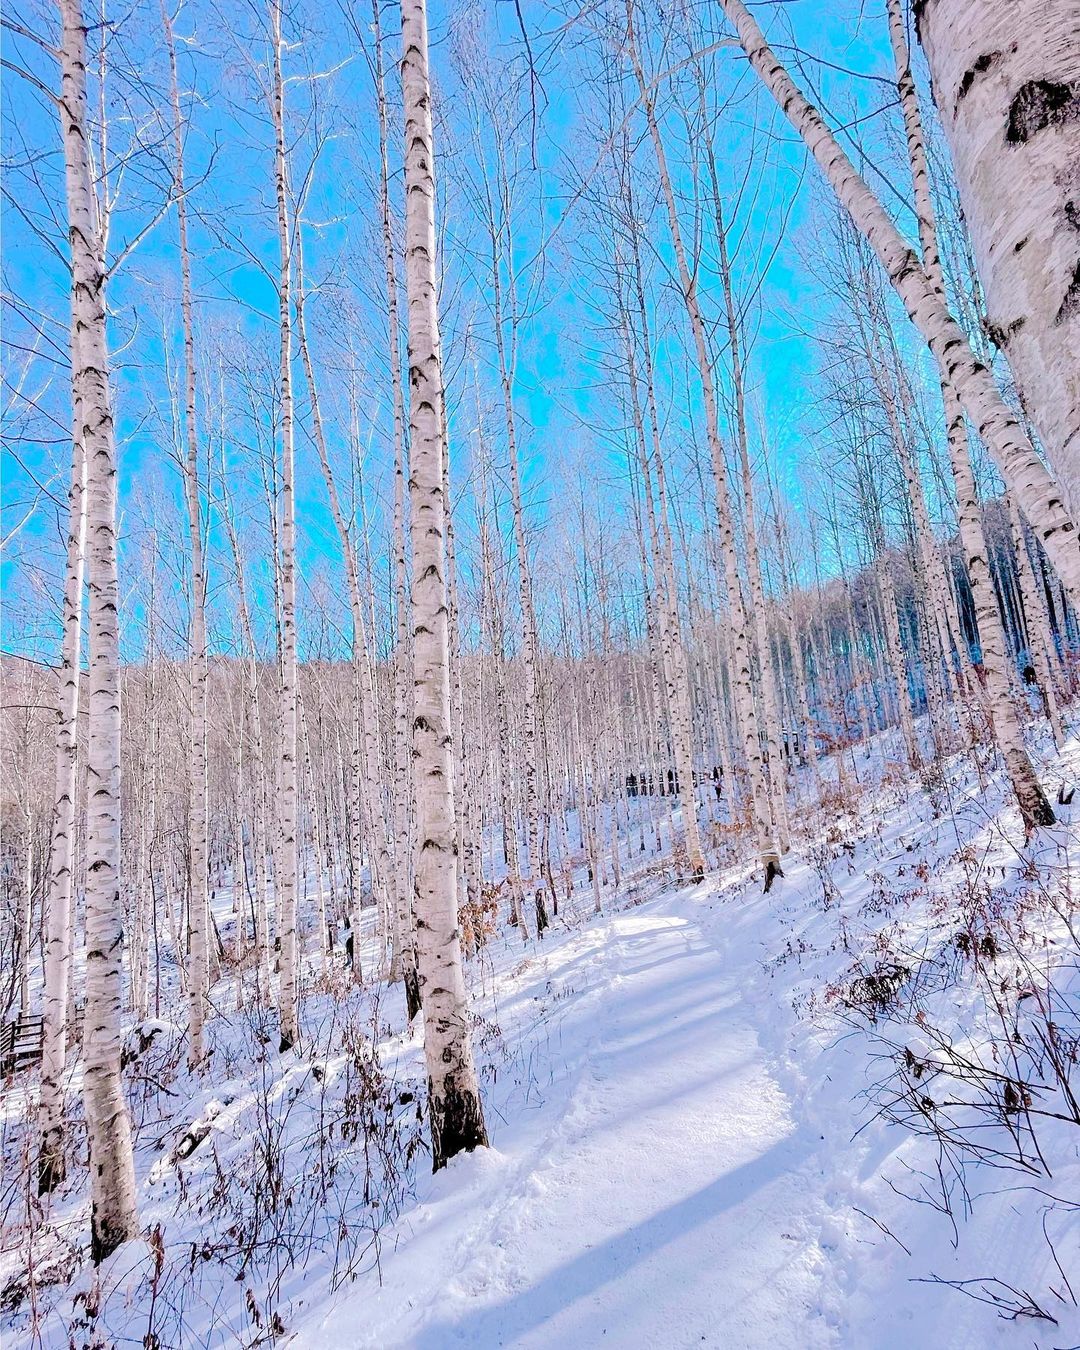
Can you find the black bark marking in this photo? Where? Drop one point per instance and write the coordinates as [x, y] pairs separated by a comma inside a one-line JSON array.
[[412, 990], [1036, 811], [1000, 336], [984, 63], [918, 13], [1040, 104], [542, 920], [105, 1236], [457, 1122], [1070, 303]]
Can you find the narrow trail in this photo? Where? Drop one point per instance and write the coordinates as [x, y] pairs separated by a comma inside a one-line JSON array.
[[664, 1204]]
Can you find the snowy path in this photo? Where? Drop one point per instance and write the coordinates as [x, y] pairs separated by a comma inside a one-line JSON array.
[[662, 1206]]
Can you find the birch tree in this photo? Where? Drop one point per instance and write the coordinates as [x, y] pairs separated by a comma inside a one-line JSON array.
[[403, 957], [455, 1113], [1034, 806], [285, 872], [198, 899], [52, 1160], [1006, 81], [1037, 492], [113, 1216]]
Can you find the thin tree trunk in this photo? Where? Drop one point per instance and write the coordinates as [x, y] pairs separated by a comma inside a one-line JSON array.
[[1038, 494], [507, 361], [746, 712], [1034, 614], [403, 957], [52, 1161], [258, 762], [455, 1113], [285, 876], [1034, 807], [113, 1217], [198, 976]]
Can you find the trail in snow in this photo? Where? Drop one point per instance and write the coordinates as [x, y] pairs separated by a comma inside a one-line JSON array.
[[686, 1113], [662, 1206]]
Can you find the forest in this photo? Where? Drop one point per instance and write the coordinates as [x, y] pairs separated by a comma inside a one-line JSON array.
[[540, 670]]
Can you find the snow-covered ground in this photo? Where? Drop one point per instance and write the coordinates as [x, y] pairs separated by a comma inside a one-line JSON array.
[[654, 1193], [718, 1119]]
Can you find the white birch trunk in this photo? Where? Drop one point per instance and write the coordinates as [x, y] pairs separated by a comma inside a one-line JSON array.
[[455, 1114], [1034, 614], [403, 957], [1038, 494], [507, 361], [285, 873], [317, 851], [198, 899], [52, 1160], [1006, 81], [894, 651], [113, 1218], [1034, 807]]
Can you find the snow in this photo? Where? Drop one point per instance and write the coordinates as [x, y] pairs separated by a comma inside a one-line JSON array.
[[703, 1172], [689, 1102], [663, 1147]]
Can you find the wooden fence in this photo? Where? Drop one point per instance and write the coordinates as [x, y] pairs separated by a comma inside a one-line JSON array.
[[22, 1041]]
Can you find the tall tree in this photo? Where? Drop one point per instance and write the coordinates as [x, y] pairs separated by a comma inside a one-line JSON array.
[[1036, 490], [455, 1113], [285, 872], [1034, 806], [52, 1161], [1006, 81], [198, 896], [403, 957], [113, 1216]]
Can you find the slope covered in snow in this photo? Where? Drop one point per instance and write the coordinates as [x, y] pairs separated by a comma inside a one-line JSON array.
[[709, 1164], [657, 1195], [718, 1119]]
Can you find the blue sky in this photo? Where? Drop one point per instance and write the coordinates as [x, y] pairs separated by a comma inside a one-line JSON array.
[[568, 415]]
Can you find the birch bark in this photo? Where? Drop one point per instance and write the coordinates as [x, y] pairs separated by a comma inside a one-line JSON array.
[[1035, 624], [1006, 81], [1037, 492], [455, 1114], [285, 873], [198, 899], [52, 1163], [113, 1216], [1034, 806], [501, 244], [403, 958]]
